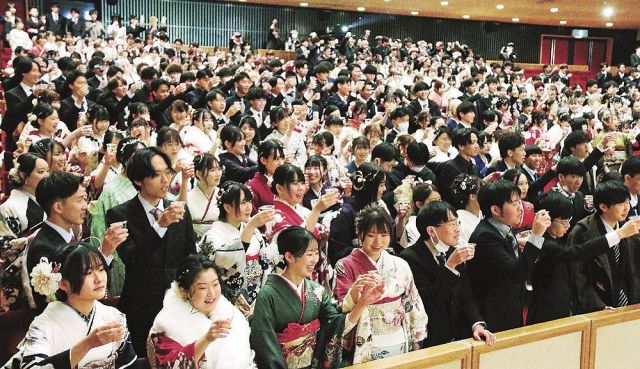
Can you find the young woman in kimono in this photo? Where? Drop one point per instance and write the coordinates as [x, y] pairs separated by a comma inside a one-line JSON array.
[[289, 186], [201, 200], [295, 324], [397, 322], [237, 248], [197, 326], [77, 331], [20, 217]]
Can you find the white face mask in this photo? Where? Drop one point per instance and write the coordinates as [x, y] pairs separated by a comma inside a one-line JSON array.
[[418, 169], [403, 127], [439, 245]]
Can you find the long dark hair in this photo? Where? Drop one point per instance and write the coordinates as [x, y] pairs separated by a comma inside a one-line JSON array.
[[366, 181]]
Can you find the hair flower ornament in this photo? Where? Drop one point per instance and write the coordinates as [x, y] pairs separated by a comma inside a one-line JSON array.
[[45, 278]]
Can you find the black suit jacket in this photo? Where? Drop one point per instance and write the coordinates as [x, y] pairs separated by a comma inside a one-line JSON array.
[[18, 106], [59, 27], [551, 297], [594, 279], [47, 243], [62, 87], [499, 166], [447, 297], [150, 261], [589, 162], [448, 172], [235, 170], [498, 276], [115, 108], [77, 29], [536, 187], [69, 112]]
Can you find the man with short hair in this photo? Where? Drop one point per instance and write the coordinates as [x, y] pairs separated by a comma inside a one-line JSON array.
[[630, 171], [500, 269], [399, 118], [197, 97], [55, 22], [64, 199], [77, 104], [238, 102], [532, 160], [612, 279], [440, 273], [511, 145], [163, 95], [465, 140], [415, 163], [422, 101], [75, 24], [160, 236], [571, 174]]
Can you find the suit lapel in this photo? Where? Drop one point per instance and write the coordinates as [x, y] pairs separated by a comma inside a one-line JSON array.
[[603, 259]]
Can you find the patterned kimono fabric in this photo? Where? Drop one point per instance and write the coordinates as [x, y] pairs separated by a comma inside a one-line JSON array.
[[177, 326], [296, 332], [394, 323], [244, 269], [204, 210], [54, 332], [288, 217], [20, 216]]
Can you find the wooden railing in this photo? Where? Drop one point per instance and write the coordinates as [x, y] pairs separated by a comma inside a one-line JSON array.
[[601, 340]]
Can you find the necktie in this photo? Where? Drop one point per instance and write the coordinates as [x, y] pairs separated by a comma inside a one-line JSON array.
[[622, 296], [442, 258], [156, 213], [536, 176], [513, 242], [73, 239]]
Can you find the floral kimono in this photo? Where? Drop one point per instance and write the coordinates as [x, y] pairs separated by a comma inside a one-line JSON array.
[[244, 268], [53, 333], [204, 210], [171, 343], [394, 323], [20, 216], [297, 330]]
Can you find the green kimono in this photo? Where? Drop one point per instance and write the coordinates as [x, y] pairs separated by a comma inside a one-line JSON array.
[[287, 332]]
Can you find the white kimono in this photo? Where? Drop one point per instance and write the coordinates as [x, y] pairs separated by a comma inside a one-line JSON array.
[[198, 204], [179, 322], [54, 332]]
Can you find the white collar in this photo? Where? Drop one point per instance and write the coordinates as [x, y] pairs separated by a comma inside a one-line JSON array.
[[634, 199], [67, 235], [27, 90], [298, 289], [148, 207], [607, 227]]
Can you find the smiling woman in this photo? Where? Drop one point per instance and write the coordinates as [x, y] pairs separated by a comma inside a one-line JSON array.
[[197, 324]]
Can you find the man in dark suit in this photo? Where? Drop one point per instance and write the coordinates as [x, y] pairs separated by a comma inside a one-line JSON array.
[[197, 97], [77, 104], [55, 22], [19, 99], [550, 282], [66, 66], [620, 75], [532, 161], [499, 269], [512, 152], [162, 96], [238, 101], [258, 101], [160, 236], [76, 25], [116, 99], [465, 116], [611, 279], [576, 144], [216, 103], [275, 97], [466, 141], [238, 167], [440, 275], [422, 102], [399, 118], [571, 174], [134, 28], [147, 75], [64, 200], [342, 96]]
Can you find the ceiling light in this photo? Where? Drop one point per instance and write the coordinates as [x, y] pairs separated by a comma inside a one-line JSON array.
[[444, 3], [608, 11], [609, 24], [563, 22], [554, 10], [304, 4], [466, 16], [500, 6], [386, 1], [515, 19], [360, 9], [414, 13]]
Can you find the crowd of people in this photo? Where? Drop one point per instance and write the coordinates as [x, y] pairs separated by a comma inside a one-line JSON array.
[[367, 198]]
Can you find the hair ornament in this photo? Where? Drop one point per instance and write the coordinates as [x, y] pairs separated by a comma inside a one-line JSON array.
[[45, 278]]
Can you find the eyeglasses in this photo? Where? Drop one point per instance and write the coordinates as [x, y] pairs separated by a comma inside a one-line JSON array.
[[563, 222], [455, 224]]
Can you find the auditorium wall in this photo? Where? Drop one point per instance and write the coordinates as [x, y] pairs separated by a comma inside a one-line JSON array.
[[212, 22]]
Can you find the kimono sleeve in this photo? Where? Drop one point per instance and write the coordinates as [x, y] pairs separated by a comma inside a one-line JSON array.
[[416, 316], [37, 350], [167, 353], [263, 332]]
